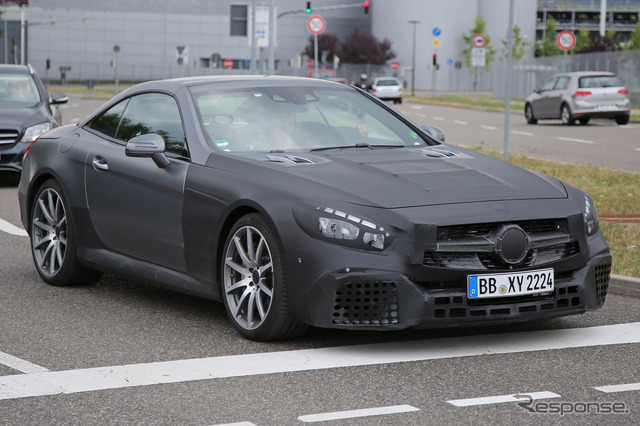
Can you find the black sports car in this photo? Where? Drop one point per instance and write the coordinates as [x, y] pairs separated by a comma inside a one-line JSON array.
[[26, 112], [301, 202]]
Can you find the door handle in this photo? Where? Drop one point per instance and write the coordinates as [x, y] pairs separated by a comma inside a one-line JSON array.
[[100, 164]]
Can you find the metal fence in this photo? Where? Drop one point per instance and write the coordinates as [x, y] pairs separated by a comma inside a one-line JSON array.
[[531, 73]]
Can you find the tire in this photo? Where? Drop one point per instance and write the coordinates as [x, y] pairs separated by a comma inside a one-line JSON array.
[[254, 282], [399, 100], [565, 115], [528, 114], [584, 121], [53, 239], [622, 119]]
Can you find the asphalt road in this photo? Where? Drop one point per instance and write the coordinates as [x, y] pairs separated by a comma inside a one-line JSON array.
[[122, 352], [602, 142]]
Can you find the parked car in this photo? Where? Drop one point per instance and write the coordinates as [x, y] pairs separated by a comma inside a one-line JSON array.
[[579, 96], [300, 202], [26, 112], [387, 88]]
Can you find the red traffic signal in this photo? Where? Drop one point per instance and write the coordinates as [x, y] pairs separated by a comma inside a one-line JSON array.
[[366, 5], [435, 59]]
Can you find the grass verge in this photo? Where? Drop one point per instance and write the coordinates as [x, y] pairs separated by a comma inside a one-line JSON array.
[[616, 194]]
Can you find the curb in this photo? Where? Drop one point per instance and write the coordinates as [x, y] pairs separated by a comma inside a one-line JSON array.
[[625, 286]]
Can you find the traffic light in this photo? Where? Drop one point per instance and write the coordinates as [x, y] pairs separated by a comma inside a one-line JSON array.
[[308, 9], [435, 59], [366, 5], [48, 64]]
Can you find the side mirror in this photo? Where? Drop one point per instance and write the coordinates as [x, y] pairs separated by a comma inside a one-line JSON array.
[[537, 90], [434, 132], [58, 98], [150, 145]]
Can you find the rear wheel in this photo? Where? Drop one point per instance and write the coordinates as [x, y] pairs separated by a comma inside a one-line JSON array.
[[565, 115], [622, 119], [254, 282], [53, 239], [528, 114]]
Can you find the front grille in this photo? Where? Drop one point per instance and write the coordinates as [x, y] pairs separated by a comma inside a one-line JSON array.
[[8, 136], [552, 243], [603, 272], [372, 304]]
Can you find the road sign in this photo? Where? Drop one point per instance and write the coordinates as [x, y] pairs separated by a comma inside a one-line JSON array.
[[478, 57], [566, 40], [228, 63], [436, 42], [316, 24], [449, 61], [394, 65], [310, 63], [436, 31], [479, 40]]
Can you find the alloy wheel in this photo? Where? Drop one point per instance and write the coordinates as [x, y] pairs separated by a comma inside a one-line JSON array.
[[248, 277], [49, 232]]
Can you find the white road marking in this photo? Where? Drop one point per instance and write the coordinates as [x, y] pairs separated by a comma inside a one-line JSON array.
[[20, 364], [637, 149], [517, 132], [488, 127], [419, 114], [417, 106], [366, 412], [575, 140], [75, 120], [619, 388], [126, 376], [464, 123], [12, 229], [499, 399], [439, 118], [236, 424]]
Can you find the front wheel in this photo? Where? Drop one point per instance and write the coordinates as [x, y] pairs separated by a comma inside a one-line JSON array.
[[528, 113], [53, 239], [254, 282]]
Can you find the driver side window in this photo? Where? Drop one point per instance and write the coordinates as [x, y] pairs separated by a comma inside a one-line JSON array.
[[549, 85]]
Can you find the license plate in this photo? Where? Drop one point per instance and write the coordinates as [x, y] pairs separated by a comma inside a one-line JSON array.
[[510, 284], [606, 107]]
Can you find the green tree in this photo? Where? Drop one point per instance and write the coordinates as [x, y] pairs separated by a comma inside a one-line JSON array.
[[549, 46], [360, 48], [583, 40], [520, 44], [326, 41], [634, 41], [479, 27]]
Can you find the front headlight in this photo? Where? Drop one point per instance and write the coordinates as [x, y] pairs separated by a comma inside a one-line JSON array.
[[330, 224], [590, 216], [32, 133]]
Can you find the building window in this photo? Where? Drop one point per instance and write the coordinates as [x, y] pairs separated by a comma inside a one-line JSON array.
[[239, 20]]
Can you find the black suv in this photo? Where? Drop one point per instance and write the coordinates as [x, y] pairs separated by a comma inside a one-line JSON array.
[[26, 112]]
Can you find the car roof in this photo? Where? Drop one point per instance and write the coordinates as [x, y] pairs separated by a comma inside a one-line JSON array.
[[584, 73], [14, 69], [386, 78]]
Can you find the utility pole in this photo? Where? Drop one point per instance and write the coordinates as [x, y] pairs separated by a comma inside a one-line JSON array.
[[507, 111], [413, 59]]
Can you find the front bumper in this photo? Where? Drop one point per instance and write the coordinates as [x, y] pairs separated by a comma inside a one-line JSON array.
[[385, 300], [11, 157]]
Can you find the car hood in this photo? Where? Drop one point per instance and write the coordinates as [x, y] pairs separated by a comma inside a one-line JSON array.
[[21, 118], [397, 177]]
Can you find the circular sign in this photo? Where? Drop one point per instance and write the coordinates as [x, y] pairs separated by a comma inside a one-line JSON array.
[[478, 40], [394, 65], [310, 63], [316, 24], [436, 31], [566, 40], [228, 63]]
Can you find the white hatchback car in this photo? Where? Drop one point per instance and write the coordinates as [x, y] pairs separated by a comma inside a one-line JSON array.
[[387, 88], [579, 96]]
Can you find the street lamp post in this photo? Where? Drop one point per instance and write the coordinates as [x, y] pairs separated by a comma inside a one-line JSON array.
[[413, 59]]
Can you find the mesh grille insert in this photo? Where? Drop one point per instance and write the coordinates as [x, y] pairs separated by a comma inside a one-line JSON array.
[[372, 304]]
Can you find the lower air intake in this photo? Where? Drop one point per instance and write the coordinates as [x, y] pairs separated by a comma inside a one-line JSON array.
[[367, 304]]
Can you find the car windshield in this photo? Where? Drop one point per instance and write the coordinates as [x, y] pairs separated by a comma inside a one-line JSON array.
[[298, 117], [387, 83], [599, 81], [320, 74], [18, 91]]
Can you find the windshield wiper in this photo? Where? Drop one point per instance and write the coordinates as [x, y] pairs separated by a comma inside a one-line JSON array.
[[358, 145]]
